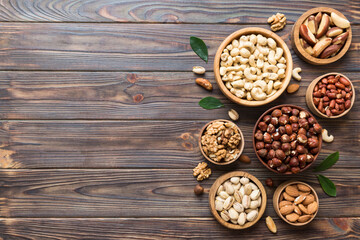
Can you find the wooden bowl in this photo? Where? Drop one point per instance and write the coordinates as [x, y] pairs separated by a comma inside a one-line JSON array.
[[220, 180], [276, 198], [309, 96], [265, 33], [300, 51], [240, 147], [255, 128]]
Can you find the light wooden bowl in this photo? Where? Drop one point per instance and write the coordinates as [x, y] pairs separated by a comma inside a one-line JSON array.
[[254, 142], [276, 198], [309, 96], [265, 33], [300, 51], [240, 147], [220, 180]]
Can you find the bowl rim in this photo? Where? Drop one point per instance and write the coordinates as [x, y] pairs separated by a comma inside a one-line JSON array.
[[286, 54], [276, 198], [220, 180], [241, 145], [253, 138], [295, 39], [310, 98]]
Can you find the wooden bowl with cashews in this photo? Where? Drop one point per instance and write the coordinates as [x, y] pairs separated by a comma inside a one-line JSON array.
[[253, 66]]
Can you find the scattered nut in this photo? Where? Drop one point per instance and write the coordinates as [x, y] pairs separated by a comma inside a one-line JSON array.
[[198, 190], [277, 22], [204, 83], [292, 88], [326, 137], [269, 182], [202, 171], [244, 158], [198, 70], [233, 114], [295, 73], [271, 224]]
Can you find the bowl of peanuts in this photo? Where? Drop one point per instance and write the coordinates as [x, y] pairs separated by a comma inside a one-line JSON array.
[[253, 66]]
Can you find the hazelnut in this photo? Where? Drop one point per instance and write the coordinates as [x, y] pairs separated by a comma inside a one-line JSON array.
[[262, 152], [295, 127], [280, 154], [276, 136], [286, 148], [311, 120], [276, 113], [271, 154], [268, 146], [285, 138], [276, 145], [303, 114], [276, 162], [293, 153], [302, 165], [301, 149], [269, 182], [314, 150], [302, 139], [198, 189], [288, 129], [295, 112], [259, 145], [282, 168], [293, 119], [286, 110], [317, 128], [287, 159], [270, 164], [271, 128], [294, 162], [313, 142], [282, 130], [293, 145], [302, 158], [267, 138], [259, 135], [302, 131], [262, 126], [295, 170], [293, 137], [284, 119], [274, 121], [303, 123], [311, 132], [309, 158], [267, 119]]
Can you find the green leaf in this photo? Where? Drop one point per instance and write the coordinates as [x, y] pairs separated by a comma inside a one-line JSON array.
[[210, 103], [327, 185], [199, 47], [328, 162]]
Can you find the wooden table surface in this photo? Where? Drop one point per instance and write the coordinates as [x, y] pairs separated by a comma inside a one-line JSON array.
[[100, 120]]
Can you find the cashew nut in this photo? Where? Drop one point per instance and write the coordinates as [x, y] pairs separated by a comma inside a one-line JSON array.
[[252, 61], [271, 42], [261, 84], [271, 57], [235, 43], [277, 85], [281, 65], [249, 45], [229, 47], [248, 86], [260, 63], [234, 52], [224, 56], [261, 40], [253, 38], [222, 71], [258, 94], [228, 85], [295, 73], [270, 86], [238, 84], [249, 75], [281, 73], [248, 96], [279, 53], [271, 69], [282, 60], [325, 137], [240, 93], [273, 76], [244, 52]]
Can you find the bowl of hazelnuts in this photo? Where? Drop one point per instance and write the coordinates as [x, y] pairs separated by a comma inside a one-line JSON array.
[[287, 139]]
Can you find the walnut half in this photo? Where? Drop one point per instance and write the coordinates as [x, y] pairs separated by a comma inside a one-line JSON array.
[[277, 22], [202, 171]]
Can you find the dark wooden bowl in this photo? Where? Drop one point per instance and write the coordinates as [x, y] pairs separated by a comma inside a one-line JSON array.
[[300, 51], [254, 131], [276, 198], [265, 33], [309, 96], [220, 180], [240, 147]]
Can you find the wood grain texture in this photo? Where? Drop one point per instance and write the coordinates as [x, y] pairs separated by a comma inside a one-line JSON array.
[[145, 193], [213, 11], [134, 95], [170, 228], [136, 144], [127, 47]]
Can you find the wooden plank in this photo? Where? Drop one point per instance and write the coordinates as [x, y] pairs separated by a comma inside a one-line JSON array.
[[145, 193], [169, 228], [128, 47], [135, 144], [213, 11], [123, 95]]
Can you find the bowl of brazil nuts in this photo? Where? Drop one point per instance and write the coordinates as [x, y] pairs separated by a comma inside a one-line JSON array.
[[321, 36], [237, 200], [296, 202], [287, 139], [221, 142], [331, 95], [253, 66]]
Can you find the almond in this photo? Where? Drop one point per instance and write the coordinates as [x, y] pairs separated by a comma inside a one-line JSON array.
[[299, 199], [304, 193], [297, 210], [292, 191], [271, 224], [285, 210], [309, 199], [293, 217], [292, 88], [288, 197], [303, 209], [284, 203], [303, 187], [281, 197], [304, 218], [312, 207]]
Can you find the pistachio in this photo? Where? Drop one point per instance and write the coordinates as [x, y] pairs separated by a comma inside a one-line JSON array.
[[228, 202], [233, 214], [219, 206], [225, 215], [238, 207], [235, 180], [246, 201], [242, 219], [251, 216]]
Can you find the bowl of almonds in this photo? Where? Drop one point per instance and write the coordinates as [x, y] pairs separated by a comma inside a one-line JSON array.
[[237, 200], [296, 202]]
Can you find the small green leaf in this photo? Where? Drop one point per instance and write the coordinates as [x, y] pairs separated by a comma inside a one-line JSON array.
[[199, 47], [328, 162], [327, 185], [210, 103]]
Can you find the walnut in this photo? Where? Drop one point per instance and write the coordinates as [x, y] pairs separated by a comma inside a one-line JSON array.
[[234, 140], [202, 171], [277, 22], [220, 155]]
